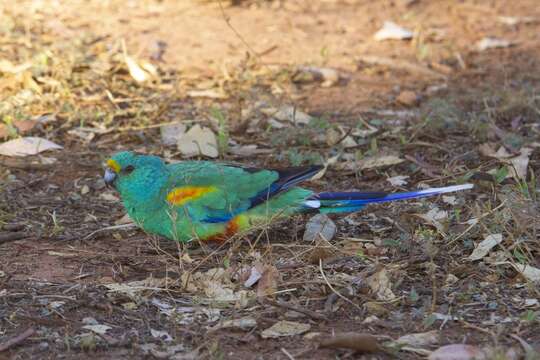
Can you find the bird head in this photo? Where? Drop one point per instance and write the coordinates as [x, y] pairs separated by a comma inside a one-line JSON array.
[[135, 176]]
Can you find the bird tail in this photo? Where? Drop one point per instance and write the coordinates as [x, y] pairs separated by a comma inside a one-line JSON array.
[[336, 202]]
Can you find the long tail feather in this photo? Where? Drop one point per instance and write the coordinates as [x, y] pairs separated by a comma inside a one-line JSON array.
[[328, 202]]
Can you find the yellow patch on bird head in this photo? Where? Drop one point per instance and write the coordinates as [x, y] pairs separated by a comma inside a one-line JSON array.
[[113, 165], [180, 195]]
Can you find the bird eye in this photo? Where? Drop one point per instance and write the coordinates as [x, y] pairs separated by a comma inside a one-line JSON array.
[[128, 169]]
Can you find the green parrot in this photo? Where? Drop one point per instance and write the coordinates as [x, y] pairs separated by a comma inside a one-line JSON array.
[[205, 200]]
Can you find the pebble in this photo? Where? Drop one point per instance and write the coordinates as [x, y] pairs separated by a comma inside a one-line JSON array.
[[408, 98]]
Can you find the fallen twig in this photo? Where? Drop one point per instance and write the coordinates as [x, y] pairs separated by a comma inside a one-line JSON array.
[[334, 290], [288, 354], [4, 238], [16, 340], [25, 165], [13, 227], [361, 342], [114, 227], [401, 64]]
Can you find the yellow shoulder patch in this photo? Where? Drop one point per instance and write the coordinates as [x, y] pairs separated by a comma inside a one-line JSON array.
[[180, 195], [113, 165]]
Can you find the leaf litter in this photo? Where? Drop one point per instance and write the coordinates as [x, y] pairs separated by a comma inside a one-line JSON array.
[[84, 87]]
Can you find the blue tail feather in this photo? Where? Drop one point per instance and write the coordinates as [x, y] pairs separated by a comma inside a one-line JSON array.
[[331, 202]]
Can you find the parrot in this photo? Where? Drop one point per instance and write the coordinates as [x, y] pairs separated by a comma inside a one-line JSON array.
[[205, 200]]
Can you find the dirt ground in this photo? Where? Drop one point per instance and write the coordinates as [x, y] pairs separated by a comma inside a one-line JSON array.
[[76, 283]]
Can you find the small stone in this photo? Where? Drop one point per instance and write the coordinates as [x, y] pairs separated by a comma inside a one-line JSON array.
[[408, 98], [108, 197], [99, 184]]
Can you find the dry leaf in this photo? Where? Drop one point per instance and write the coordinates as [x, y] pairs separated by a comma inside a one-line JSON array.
[[360, 342], [216, 290], [450, 280], [288, 113], [124, 220], [148, 67], [492, 43], [98, 329], [331, 161], [364, 132], [328, 76], [336, 137], [379, 161], [27, 146], [434, 217], [198, 141], [348, 142], [321, 251], [7, 67], [135, 70], [419, 339], [319, 225], [458, 352], [529, 272], [399, 180], [268, 283], [275, 124], [380, 285], [140, 71], [254, 275], [21, 126], [215, 284], [445, 317], [514, 20], [248, 150], [449, 199], [132, 288], [285, 328], [245, 323], [170, 133], [520, 163], [209, 93], [86, 134], [485, 246], [488, 149], [332, 136], [161, 335], [392, 31]]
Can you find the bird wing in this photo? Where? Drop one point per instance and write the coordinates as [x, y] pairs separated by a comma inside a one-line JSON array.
[[214, 192]]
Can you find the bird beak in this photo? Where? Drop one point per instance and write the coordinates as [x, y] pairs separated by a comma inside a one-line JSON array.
[[109, 177]]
